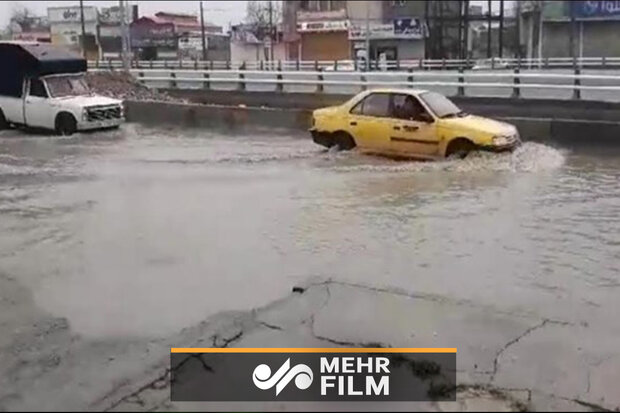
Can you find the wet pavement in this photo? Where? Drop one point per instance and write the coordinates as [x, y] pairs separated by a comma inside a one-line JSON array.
[[112, 243]]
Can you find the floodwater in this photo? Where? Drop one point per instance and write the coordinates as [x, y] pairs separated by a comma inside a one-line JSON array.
[[140, 232]]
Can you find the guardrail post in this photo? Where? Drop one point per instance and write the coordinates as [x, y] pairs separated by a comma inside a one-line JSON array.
[[546, 63], [421, 63], [180, 63], [140, 76], [195, 64], [604, 62], [279, 84], [97, 63], [173, 82], [228, 65], [461, 89], [165, 64], [319, 85], [443, 63], [210, 64], [262, 65], [297, 65], [316, 66], [398, 65], [241, 85], [364, 81], [519, 62], [577, 83], [335, 65], [492, 60], [516, 90], [410, 78], [151, 63], [110, 67], [206, 84]]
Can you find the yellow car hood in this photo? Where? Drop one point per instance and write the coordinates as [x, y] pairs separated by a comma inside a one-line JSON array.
[[479, 124]]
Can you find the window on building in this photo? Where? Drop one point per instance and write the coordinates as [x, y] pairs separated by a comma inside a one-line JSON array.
[[37, 88]]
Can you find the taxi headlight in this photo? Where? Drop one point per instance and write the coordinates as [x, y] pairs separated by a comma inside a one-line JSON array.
[[500, 140]]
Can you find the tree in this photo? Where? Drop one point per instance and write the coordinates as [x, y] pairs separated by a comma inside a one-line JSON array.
[[262, 18], [22, 17]]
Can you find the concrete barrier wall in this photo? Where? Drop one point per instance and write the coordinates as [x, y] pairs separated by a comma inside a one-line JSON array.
[[236, 118]]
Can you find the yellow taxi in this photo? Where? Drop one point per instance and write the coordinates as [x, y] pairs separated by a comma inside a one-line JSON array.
[[409, 123]]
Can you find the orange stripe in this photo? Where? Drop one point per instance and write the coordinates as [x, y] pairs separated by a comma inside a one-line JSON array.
[[312, 350]]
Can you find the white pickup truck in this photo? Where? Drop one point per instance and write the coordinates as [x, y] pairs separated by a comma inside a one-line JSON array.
[[43, 86]]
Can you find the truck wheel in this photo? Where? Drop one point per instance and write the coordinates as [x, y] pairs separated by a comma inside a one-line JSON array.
[[3, 123], [66, 124], [344, 141]]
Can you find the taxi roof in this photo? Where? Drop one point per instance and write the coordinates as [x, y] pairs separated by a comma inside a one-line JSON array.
[[405, 91]]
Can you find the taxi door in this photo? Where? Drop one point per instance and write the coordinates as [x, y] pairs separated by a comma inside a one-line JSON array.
[[413, 136], [370, 124]]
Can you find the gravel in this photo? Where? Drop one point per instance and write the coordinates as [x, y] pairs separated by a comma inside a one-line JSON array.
[[124, 86]]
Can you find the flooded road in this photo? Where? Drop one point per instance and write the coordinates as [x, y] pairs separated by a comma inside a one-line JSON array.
[[138, 233], [143, 232]]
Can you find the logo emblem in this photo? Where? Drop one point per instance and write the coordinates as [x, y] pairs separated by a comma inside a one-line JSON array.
[[264, 380]]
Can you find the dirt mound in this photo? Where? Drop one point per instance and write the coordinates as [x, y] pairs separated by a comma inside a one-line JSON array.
[[121, 85]]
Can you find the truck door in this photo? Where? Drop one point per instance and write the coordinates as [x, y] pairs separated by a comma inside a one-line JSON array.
[[12, 104], [38, 110]]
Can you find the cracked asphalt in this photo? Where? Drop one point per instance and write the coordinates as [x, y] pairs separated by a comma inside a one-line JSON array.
[[116, 247]]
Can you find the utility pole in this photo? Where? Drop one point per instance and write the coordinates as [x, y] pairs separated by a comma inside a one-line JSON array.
[[489, 21], [124, 36], [541, 29], [202, 31], [518, 30], [501, 28], [367, 36], [83, 42], [573, 27], [271, 31]]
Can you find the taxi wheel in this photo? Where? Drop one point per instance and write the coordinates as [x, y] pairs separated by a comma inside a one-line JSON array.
[[344, 141], [459, 148]]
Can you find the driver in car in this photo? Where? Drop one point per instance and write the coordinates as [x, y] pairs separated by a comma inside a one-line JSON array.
[[411, 109]]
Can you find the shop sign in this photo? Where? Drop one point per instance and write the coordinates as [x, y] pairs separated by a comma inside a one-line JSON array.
[[376, 31], [409, 28], [608, 8], [323, 26]]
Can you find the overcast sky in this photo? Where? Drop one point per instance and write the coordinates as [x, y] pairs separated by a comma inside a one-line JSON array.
[[218, 12]]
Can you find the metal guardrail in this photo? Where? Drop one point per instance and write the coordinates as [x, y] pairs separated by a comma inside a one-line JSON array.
[[352, 65], [403, 79]]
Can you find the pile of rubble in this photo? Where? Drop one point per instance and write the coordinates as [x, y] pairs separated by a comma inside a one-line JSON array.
[[121, 85]]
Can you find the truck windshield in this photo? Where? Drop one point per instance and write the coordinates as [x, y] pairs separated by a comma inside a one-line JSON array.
[[61, 86]]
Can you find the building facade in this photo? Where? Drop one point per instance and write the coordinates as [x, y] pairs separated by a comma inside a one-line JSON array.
[[595, 34], [175, 36], [66, 28], [394, 30]]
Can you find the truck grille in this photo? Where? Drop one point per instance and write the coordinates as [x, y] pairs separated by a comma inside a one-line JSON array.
[[95, 113]]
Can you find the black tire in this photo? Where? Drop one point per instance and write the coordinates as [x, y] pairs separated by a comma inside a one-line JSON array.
[[66, 125], [3, 123], [459, 148], [344, 141]]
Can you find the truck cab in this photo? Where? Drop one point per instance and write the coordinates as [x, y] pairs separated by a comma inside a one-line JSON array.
[[43, 86]]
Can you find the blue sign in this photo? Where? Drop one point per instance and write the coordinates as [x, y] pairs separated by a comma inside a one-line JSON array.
[[601, 8], [409, 28]]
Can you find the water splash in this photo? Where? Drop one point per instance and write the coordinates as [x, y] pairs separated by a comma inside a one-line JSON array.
[[529, 157]]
